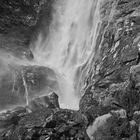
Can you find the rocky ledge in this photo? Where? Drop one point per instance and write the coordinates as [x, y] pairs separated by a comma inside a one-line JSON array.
[[42, 119]]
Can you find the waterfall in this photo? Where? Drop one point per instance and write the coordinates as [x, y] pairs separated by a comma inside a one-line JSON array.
[[69, 45]]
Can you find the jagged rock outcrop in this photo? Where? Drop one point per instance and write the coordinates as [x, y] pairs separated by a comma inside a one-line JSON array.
[[113, 78], [45, 101], [43, 123]]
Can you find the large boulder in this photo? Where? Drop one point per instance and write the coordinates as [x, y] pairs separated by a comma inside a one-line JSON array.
[[113, 126]]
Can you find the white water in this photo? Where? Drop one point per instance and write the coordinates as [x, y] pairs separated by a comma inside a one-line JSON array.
[[69, 44], [26, 90]]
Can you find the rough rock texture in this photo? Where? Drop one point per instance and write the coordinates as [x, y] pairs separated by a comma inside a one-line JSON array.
[[47, 101], [113, 80], [110, 106], [19, 20], [43, 123]]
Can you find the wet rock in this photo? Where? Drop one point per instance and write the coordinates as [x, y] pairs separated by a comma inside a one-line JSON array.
[[54, 99], [49, 124], [20, 84], [136, 118], [69, 124], [10, 119], [135, 70], [89, 106], [114, 72], [110, 107], [19, 21], [45, 101]]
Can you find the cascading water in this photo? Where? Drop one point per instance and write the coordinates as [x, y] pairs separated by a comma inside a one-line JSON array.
[[26, 89], [69, 45]]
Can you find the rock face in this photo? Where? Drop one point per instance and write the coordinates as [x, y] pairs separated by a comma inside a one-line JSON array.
[[113, 79], [110, 106], [18, 23], [42, 124]]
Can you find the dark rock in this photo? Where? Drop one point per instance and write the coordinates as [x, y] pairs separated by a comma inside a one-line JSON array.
[[45, 101], [9, 120], [89, 106], [19, 22], [53, 97], [114, 72], [53, 125], [111, 102]]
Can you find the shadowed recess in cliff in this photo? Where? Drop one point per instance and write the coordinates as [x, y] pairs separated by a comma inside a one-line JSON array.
[[69, 45]]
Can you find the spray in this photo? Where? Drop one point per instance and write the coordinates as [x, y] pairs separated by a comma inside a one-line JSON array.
[[69, 45]]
